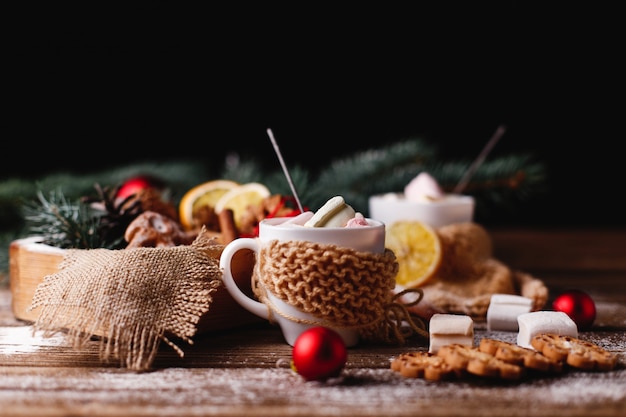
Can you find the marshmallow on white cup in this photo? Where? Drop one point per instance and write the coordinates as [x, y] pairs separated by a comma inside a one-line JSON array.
[[370, 238], [422, 200]]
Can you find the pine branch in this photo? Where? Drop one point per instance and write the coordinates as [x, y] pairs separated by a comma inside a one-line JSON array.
[[61, 223], [250, 171], [241, 171], [499, 185], [371, 172]]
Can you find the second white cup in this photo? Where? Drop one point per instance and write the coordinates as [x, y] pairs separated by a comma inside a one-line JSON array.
[[394, 207]]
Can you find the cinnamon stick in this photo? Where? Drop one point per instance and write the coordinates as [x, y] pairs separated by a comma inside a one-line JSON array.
[[227, 226]]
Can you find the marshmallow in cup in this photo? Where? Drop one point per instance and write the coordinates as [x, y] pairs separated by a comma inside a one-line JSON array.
[[370, 238]]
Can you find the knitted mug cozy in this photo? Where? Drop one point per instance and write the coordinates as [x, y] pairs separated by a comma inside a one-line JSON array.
[[339, 286]]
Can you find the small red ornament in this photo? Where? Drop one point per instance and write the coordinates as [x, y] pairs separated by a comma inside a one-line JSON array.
[[578, 305], [136, 184], [319, 353]]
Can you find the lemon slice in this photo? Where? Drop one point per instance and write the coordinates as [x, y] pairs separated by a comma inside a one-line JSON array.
[[240, 198], [418, 251], [206, 194]]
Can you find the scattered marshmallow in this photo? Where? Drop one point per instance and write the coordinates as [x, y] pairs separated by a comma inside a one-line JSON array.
[[538, 322], [504, 309], [446, 329]]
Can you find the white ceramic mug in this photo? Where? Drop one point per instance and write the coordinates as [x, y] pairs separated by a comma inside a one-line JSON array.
[[393, 207], [363, 239]]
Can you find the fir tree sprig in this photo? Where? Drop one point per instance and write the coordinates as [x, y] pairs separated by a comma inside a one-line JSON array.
[[498, 185], [62, 223], [371, 172], [501, 181]]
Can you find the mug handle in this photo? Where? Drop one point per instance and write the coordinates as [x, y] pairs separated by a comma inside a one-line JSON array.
[[253, 306]]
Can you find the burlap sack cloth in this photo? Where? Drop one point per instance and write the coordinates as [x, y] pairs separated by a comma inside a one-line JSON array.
[[340, 287], [132, 298]]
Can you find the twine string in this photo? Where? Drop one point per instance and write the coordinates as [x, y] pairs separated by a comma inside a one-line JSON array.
[[339, 287]]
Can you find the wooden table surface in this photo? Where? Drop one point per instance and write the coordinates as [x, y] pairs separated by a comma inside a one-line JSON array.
[[245, 371]]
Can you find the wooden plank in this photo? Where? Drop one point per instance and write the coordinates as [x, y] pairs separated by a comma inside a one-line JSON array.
[[561, 249], [259, 346], [245, 371], [280, 392]]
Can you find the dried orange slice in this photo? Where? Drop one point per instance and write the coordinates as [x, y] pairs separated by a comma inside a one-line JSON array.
[[418, 251], [202, 195], [240, 198]]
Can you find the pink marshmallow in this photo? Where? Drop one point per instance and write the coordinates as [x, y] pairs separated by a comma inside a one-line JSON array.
[[357, 221], [423, 188]]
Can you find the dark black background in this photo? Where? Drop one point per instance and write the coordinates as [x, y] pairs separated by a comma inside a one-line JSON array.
[[92, 87]]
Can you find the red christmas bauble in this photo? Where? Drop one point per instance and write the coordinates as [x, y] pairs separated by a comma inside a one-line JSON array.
[[319, 353], [136, 184], [578, 305]]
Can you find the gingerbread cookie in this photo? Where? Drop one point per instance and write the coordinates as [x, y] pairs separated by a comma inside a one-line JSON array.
[[476, 362], [518, 355], [575, 352], [423, 365], [152, 229]]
